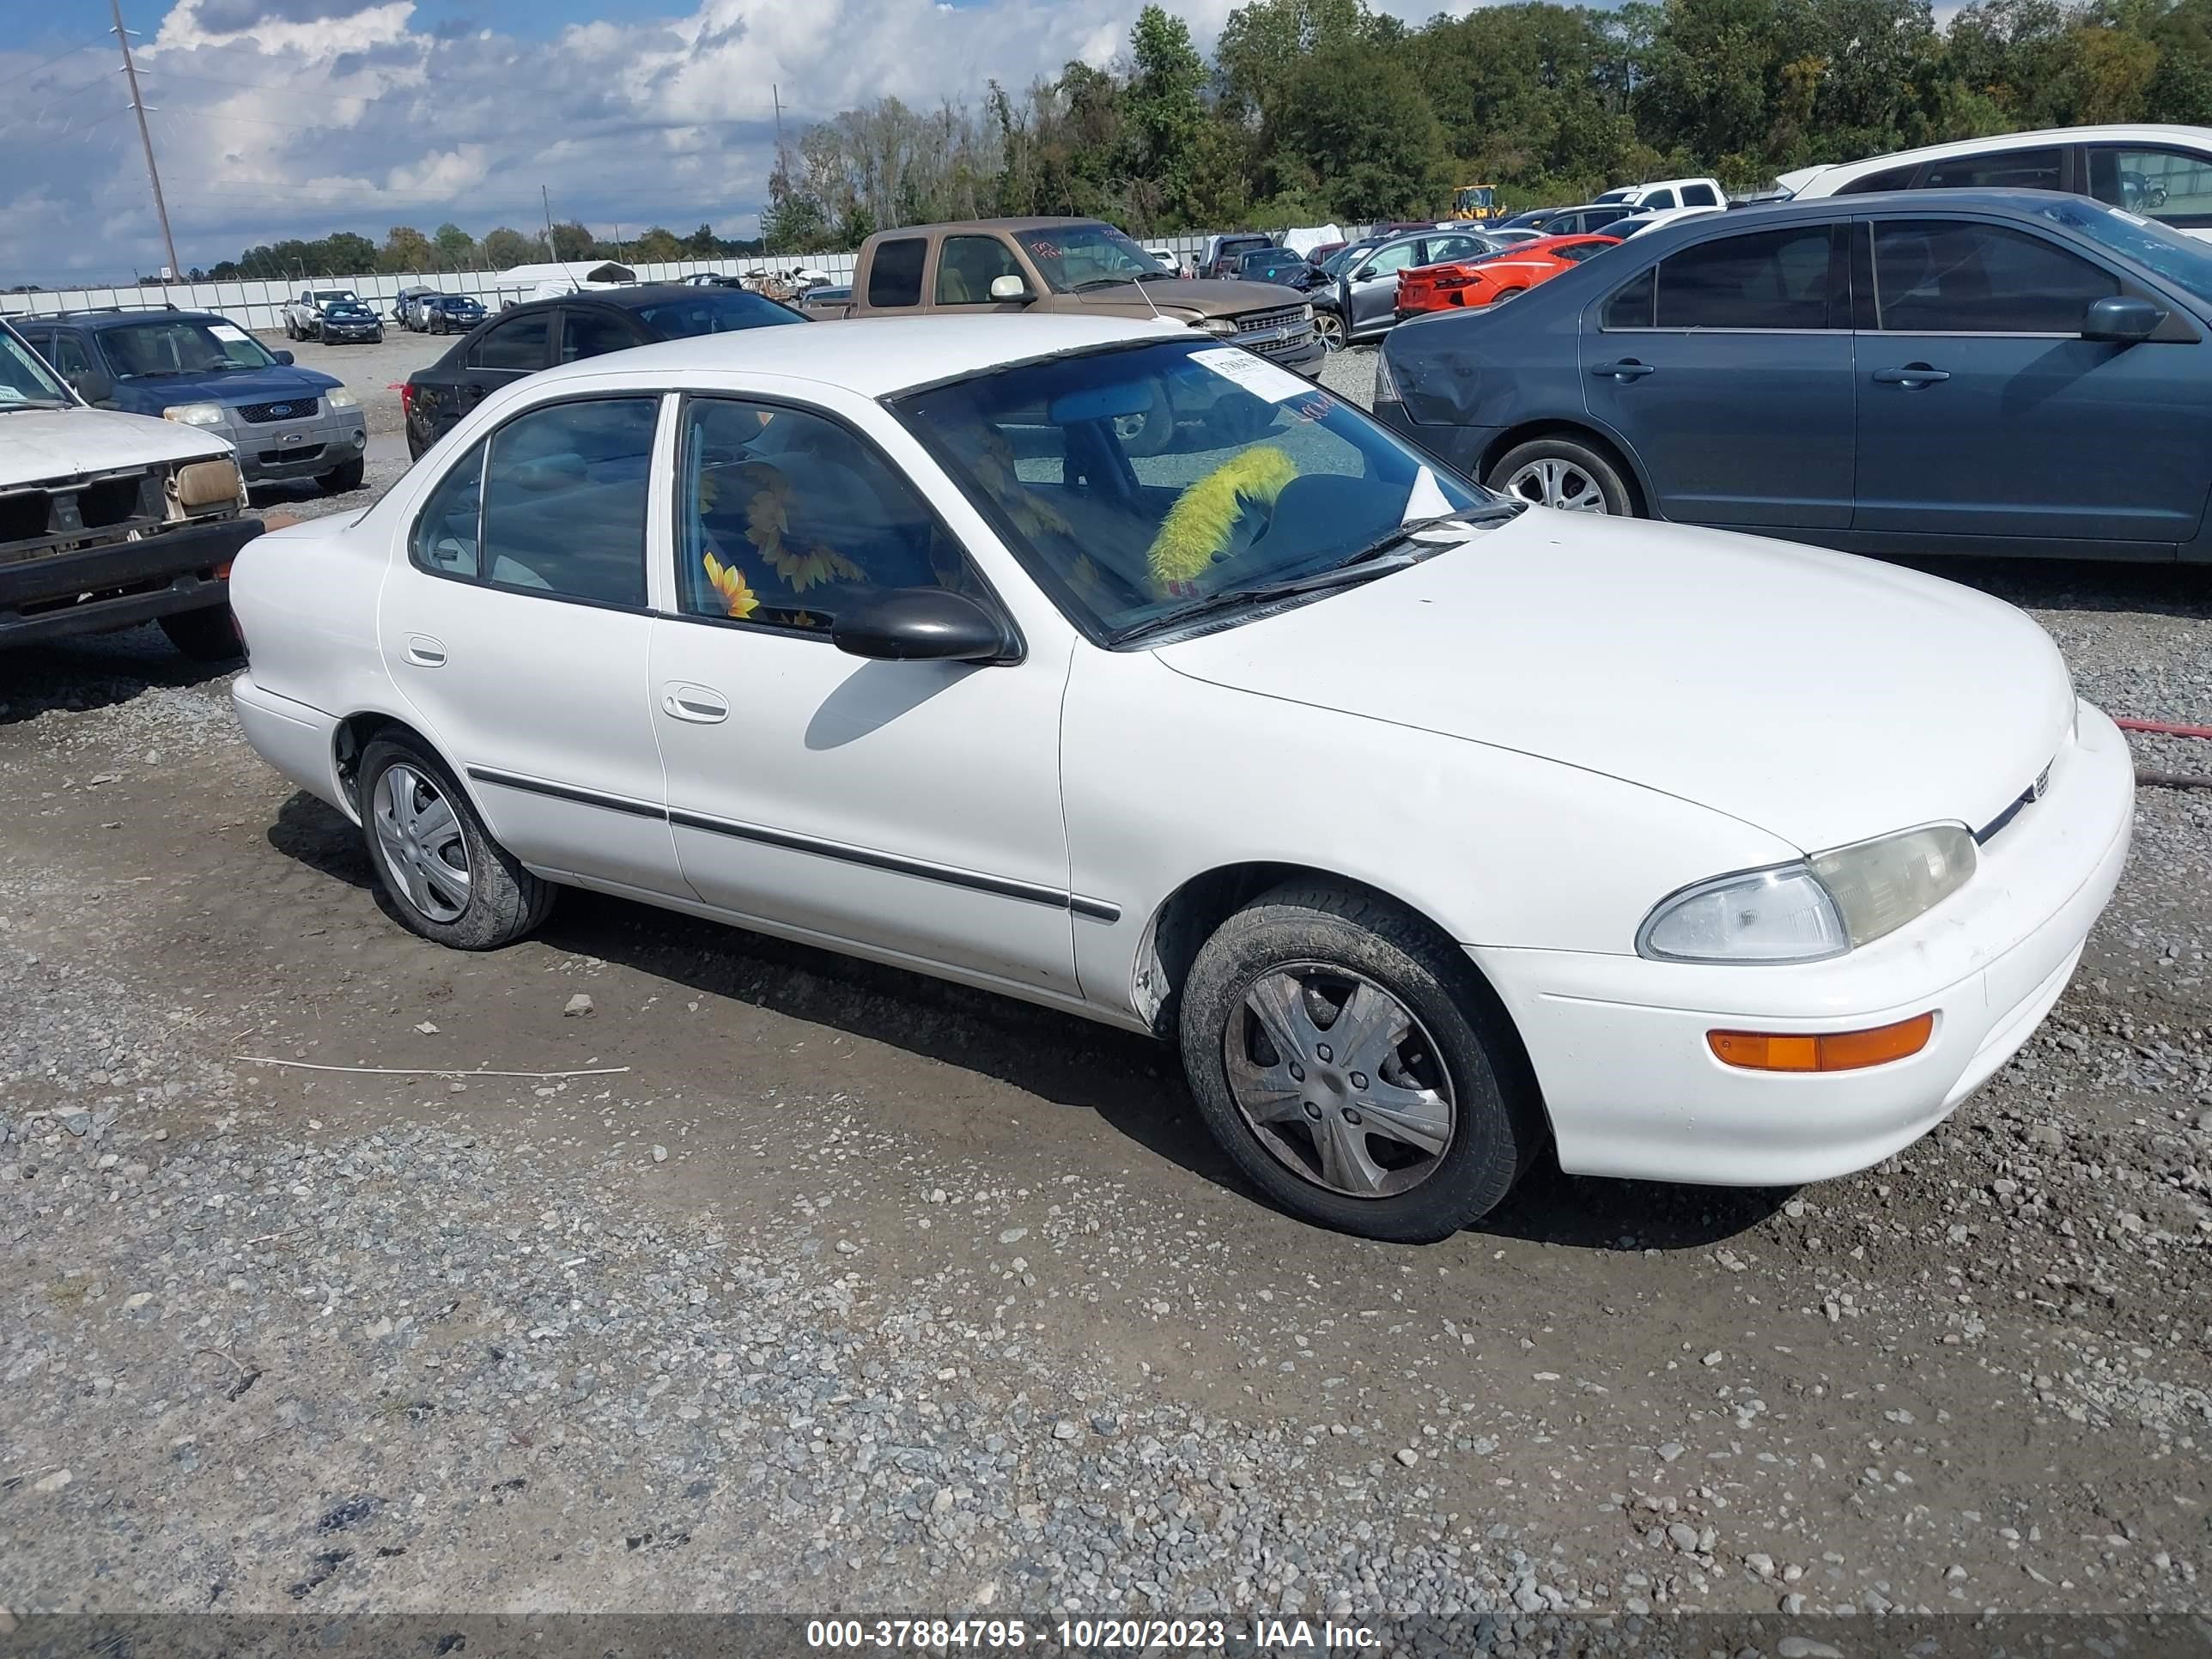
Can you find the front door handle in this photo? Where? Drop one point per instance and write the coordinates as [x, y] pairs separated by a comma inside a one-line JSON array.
[[1626, 370], [1912, 375], [424, 652], [696, 703]]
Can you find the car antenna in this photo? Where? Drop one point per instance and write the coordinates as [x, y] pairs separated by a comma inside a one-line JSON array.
[[1147, 293]]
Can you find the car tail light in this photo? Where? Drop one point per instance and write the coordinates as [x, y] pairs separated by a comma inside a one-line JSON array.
[[406, 397], [1827, 1051], [1453, 279]]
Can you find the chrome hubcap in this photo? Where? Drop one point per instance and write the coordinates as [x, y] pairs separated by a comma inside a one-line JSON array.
[[418, 836], [1339, 1081], [1554, 482]]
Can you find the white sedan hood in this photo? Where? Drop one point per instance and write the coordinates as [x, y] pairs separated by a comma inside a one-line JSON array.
[[1821, 697], [39, 444]]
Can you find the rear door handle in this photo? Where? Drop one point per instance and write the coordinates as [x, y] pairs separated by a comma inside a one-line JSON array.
[[1626, 370], [696, 703], [1912, 375], [424, 652]]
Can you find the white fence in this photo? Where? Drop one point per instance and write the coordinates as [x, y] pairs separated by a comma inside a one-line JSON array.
[[259, 305]]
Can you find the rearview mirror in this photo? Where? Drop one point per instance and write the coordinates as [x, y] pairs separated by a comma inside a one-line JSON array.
[[1010, 287], [283, 357], [92, 385], [918, 624], [2121, 320]]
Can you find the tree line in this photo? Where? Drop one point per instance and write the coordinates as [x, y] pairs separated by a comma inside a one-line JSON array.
[[1318, 110], [405, 249]]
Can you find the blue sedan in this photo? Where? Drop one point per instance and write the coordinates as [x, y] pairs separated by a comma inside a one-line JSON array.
[[2014, 372]]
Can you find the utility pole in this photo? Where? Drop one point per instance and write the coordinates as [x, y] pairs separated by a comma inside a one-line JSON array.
[[146, 138], [776, 92]]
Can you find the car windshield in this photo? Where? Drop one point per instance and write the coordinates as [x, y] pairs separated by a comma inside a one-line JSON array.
[[1335, 263], [713, 311], [174, 346], [1138, 482], [25, 380], [331, 295], [1072, 256], [2182, 261]]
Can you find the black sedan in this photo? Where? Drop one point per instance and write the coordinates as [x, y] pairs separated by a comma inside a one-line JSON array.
[[344, 320], [527, 337], [444, 313]]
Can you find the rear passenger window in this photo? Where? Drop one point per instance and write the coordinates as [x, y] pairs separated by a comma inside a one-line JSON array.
[[593, 333], [445, 534], [1955, 277], [1698, 196], [519, 342], [2008, 169], [1631, 306], [1774, 279], [564, 495], [894, 273], [1887, 178]]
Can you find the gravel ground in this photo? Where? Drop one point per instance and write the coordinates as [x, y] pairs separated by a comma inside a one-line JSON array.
[[830, 1288]]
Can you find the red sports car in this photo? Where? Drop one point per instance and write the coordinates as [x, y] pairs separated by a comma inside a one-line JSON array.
[[1493, 278]]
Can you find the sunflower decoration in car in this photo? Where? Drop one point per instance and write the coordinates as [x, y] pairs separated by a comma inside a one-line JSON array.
[[766, 494], [1200, 529]]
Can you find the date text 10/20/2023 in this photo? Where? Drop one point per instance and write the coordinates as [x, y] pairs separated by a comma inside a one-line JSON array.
[[1086, 1635]]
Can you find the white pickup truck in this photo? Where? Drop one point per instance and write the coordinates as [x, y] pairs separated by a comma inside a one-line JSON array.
[[108, 519]]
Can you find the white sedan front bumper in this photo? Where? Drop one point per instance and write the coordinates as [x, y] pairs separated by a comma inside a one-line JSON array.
[[1619, 1043]]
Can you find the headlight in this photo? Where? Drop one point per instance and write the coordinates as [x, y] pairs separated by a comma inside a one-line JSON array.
[[194, 414], [1222, 325], [1880, 885], [341, 398], [1809, 911]]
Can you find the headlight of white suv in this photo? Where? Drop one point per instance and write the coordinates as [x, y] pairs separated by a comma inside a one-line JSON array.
[[194, 414], [1820, 908], [341, 398]]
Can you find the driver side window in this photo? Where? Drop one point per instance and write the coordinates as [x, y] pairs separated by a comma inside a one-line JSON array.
[[781, 513]]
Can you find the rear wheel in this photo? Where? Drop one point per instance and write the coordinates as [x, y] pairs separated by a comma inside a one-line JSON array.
[[1560, 472], [1505, 294], [446, 878], [206, 636], [1340, 1052]]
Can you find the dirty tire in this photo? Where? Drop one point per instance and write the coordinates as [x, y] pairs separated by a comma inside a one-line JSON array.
[[1497, 1127], [205, 635], [506, 902], [340, 479]]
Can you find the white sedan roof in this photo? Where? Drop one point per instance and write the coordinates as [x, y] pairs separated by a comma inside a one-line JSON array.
[[875, 355]]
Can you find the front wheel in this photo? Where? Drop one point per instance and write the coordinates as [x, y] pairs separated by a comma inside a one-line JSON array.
[[1559, 472], [1330, 327], [341, 478], [446, 876], [1340, 1052], [206, 636]]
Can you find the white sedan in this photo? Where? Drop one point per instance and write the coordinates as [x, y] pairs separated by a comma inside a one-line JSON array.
[[1111, 667]]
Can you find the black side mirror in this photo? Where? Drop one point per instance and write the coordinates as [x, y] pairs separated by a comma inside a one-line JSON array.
[[92, 385], [2121, 320], [918, 624], [283, 357]]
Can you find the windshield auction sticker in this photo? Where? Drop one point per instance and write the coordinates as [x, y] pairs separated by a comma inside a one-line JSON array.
[[1255, 374]]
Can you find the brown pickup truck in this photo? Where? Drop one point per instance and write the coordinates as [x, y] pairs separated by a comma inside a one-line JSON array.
[[1069, 265]]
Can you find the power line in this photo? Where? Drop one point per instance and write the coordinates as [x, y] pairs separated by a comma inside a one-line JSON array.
[[43, 62]]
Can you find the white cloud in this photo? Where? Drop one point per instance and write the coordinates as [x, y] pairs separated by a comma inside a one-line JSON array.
[[297, 118]]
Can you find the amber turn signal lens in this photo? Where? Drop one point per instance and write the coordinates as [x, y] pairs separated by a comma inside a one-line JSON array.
[[1829, 1051]]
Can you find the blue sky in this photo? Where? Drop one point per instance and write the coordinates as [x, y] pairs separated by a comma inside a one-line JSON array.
[[274, 118]]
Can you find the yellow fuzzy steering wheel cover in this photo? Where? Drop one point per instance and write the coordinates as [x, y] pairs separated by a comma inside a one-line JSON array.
[[1197, 528]]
